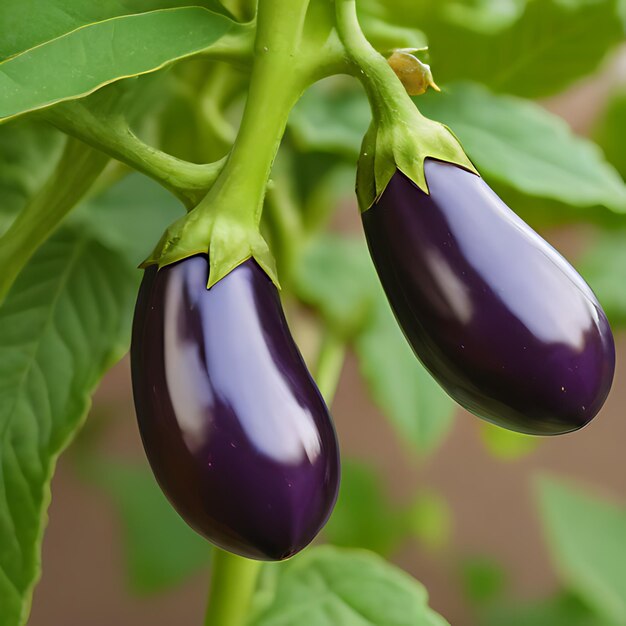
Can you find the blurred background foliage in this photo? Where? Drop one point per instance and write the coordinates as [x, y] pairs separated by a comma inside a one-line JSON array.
[[499, 63]]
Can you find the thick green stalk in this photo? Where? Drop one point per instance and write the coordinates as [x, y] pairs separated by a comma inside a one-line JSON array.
[[276, 83], [330, 360], [233, 581], [188, 181], [367, 64], [75, 173], [226, 222]]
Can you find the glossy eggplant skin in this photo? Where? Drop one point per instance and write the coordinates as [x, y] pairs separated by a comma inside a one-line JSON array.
[[236, 431], [501, 320]]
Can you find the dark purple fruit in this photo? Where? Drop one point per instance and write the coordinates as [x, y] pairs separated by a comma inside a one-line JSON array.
[[237, 433], [498, 317]]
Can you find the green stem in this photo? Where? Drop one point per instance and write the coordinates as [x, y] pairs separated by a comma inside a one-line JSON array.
[[285, 225], [384, 88], [188, 181], [226, 222], [241, 9], [75, 173], [330, 360], [233, 581], [235, 47], [276, 83]]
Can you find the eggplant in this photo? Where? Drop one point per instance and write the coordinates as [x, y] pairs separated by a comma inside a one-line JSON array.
[[235, 429], [499, 318]]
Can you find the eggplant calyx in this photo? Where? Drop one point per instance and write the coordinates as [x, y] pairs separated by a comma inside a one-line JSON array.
[[227, 241], [403, 143]]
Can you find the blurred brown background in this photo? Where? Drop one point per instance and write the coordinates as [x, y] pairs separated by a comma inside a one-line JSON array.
[[493, 511]]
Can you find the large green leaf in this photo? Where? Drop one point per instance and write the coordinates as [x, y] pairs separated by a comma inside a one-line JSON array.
[[130, 216], [331, 116], [405, 392], [604, 268], [337, 278], [26, 24], [552, 44], [329, 586], [64, 322], [160, 549], [486, 16], [85, 59], [513, 142], [520, 144], [28, 153], [587, 538], [611, 134]]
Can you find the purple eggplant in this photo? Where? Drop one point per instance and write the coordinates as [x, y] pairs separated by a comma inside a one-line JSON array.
[[503, 322], [236, 431]]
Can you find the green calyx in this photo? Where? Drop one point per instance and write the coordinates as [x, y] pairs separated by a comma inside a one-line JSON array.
[[400, 137], [403, 142], [226, 223], [227, 240]]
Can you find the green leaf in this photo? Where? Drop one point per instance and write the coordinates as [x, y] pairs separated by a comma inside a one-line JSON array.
[[520, 144], [552, 44], [564, 609], [80, 62], [513, 142], [587, 537], [611, 134], [485, 16], [483, 580], [64, 322], [337, 278], [405, 392], [329, 586], [28, 153], [363, 516], [621, 7], [25, 25], [130, 216], [507, 445], [160, 549], [332, 116], [604, 268]]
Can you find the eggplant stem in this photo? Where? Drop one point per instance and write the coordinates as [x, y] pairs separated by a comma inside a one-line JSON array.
[[330, 360], [233, 581]]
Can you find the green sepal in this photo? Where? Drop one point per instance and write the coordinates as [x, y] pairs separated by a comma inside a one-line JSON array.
[[228, 242], [403, 141]]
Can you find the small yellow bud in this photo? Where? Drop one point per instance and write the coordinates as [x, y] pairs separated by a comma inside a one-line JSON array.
[[415, 75]]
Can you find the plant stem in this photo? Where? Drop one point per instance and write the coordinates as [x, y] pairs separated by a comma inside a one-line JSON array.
[[285, 225], [188, 181], [241, 9], [330, 360], [383, 87], [276, 83], [233, 581], [72, 178]]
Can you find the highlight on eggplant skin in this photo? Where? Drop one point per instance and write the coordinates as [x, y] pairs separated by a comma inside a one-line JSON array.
[[501, 320], [235, 429]]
